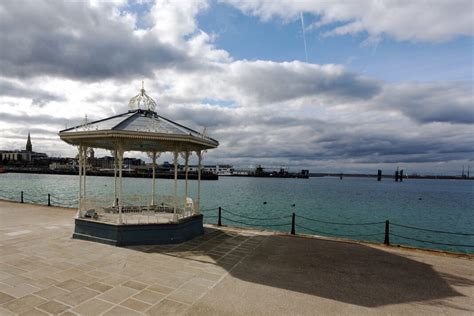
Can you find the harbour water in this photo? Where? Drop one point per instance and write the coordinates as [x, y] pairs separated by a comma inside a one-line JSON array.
[[441, 205]]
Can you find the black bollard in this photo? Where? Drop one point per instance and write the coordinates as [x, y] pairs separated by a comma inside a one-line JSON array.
[[387, 233], [293, 224], [379, 175], [219, 222], [49, 199], [21, 196], [401, 175]]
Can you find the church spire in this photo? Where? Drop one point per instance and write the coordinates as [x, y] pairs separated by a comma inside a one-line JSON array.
[[29, 147]]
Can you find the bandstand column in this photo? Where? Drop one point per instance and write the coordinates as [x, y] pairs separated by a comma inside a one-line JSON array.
[[199, 154], [120, 191], [115, 178], [186, 169], [84, 165], [175, 182], [154, 180], [80, 181]]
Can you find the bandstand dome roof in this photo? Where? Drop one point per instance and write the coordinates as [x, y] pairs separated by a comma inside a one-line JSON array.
[[139, 129]]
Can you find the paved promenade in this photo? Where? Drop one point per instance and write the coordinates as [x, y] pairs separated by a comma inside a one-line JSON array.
[[225, 272]]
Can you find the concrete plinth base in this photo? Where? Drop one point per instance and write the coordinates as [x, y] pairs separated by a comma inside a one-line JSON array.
[[139, 234]]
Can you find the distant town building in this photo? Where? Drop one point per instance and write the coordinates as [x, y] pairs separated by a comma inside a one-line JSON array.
[[129, 162], [218, 169], [63, 164], [106, 162], [22, 155], [15, 155]]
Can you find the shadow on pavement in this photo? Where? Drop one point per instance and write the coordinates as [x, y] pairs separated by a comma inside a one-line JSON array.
[[345, 272]]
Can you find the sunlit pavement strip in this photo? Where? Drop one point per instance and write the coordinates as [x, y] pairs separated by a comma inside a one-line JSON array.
[[51, 227], [20, 232], [43, 271]]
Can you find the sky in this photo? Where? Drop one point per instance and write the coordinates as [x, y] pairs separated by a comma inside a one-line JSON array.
[[347, 86]]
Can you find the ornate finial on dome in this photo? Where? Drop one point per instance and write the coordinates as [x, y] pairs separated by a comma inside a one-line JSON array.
[[86, 124], [142, 101]]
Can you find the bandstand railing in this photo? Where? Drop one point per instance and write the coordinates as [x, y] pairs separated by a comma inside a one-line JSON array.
[[136, 209]]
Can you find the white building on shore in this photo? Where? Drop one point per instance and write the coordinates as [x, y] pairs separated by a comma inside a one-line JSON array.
[[18, 155]]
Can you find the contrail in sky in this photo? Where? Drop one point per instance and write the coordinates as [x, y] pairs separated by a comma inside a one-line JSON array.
[[304, 36]]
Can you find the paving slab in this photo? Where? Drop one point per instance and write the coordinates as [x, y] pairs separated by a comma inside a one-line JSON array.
[[53, 307], [118, 294], [5, 298], [34, 312], [122, 311], [70, 285], [51, 292], [150, 297], [136, 305], [168, 307], [78, 296], [92, 307], [99, 287], [23, 304]]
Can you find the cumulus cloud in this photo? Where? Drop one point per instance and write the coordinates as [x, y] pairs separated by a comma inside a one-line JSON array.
[[422, 20], [175, 21]]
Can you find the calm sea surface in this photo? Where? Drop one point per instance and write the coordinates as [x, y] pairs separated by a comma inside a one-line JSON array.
[[446, 205]]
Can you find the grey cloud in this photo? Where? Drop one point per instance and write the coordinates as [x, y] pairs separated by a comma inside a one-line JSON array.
[[394, 148], [41, 119], [38, 97], [71, 39], [276, 82], [431, 102], [200, 116], [344, 143], [351, 150], [34, 131]]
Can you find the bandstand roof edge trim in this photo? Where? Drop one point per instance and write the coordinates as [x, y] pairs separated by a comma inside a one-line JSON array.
[[137, 130]]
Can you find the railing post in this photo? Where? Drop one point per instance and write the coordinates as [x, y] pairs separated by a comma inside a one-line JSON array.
[[293, 224], [387, 233], [219, 223], [21, 197], [49, 199]]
